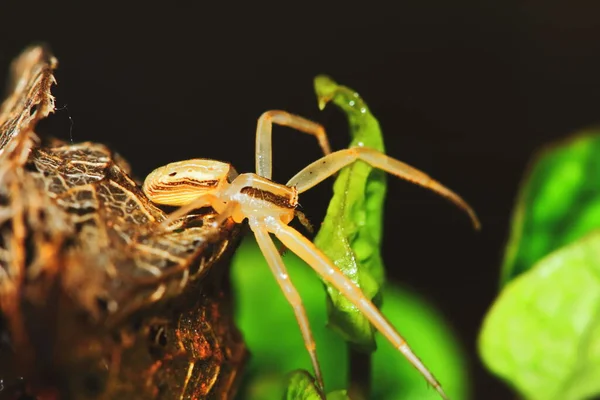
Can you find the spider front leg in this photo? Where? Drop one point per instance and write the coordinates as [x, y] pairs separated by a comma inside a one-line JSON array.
[[319, 262], [279, 270], [264, 154], [330, 164]]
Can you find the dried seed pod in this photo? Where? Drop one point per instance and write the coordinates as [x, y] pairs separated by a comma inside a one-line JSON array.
[[95, 301]]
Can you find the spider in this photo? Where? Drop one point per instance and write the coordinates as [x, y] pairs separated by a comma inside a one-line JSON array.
[[269, 207]]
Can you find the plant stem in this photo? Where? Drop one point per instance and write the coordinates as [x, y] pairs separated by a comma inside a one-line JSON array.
[[360, 374]]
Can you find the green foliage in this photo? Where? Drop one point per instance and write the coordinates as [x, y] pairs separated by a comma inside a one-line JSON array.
[[273, 337], [270, 328], [351, 231], [542, 335], [543, 332], [559, 203], [302, 386], [431, 338]]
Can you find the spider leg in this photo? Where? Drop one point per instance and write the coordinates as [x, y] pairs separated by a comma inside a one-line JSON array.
[[330, 164], [307, 251], [293, 297], [264, 162], [204, 200]]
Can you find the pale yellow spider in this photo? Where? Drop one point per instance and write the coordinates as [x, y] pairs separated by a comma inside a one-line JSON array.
[[270, 206]]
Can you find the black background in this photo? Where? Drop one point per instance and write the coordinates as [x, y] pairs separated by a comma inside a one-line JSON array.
[[464, 90]]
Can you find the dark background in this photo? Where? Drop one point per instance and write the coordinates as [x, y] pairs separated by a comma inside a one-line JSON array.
[[464, 90]]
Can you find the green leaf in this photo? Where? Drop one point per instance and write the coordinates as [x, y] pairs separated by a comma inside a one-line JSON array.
[[338, 395], [271, 333], [301, 386], [351, 232], [559, 202], [542, 334]]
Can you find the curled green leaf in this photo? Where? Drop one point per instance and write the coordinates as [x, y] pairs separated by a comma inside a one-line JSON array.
[[351, 231], [542, 334]]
